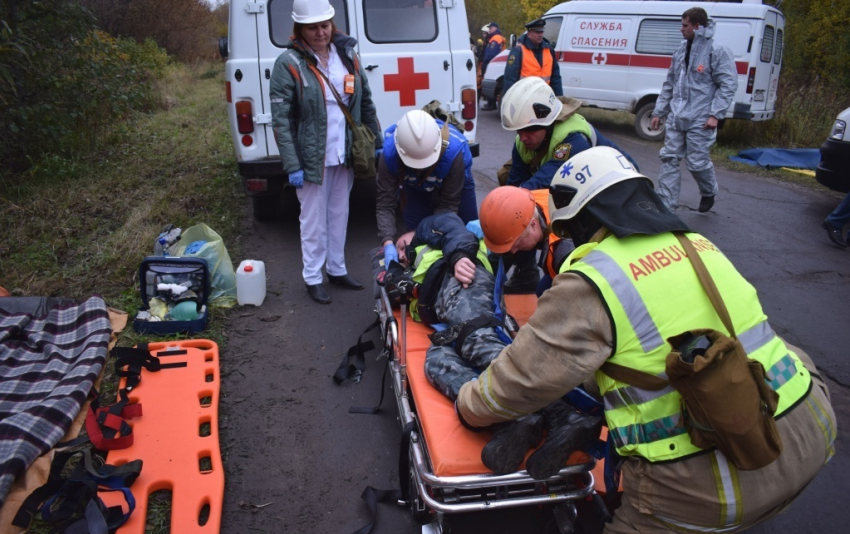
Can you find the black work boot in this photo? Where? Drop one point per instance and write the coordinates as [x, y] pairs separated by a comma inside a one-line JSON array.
[[511, 440], [705, 203], [568, 430]]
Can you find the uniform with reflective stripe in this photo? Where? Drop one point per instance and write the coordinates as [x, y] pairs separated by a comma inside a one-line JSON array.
[[531, 67], [575, 123], [653, 293], [427, 256]]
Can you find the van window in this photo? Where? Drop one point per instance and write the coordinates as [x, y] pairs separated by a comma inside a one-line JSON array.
[[552, 29], [767, 44], [661, 37], [400, 21], [281, 23], [777, 54]]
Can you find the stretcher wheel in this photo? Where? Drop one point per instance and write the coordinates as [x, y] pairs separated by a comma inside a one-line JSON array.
[[421, 513]]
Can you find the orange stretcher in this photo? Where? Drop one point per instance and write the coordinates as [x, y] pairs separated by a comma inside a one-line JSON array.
[[176, 437], [447, 475]]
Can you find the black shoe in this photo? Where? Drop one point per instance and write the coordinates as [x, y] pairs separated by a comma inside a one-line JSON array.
[[317, 292], [706, 203], [523, 281], [506, 450], [489, 107], [834, 234], [345, 281], [568, 430]]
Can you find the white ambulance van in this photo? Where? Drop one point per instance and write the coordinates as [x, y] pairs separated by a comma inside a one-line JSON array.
[[413, 51], [615, 55]]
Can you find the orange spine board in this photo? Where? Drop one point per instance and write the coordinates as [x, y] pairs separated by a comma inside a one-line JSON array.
[[177, 403]]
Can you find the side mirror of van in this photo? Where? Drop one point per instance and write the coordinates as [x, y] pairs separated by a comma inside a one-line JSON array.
[[222, 47], [512, 41]]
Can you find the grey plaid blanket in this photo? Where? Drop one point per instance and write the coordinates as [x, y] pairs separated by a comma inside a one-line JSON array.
[[48, 365]]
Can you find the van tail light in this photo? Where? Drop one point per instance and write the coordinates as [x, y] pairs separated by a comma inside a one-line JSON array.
[[227, 92], [256, 185], [244, 117], [467, 98], [751, 80]]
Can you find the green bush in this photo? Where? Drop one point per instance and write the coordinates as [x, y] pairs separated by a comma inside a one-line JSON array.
[[64, 82]]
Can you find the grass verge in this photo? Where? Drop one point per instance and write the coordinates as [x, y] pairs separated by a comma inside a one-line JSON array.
[[78, 227]]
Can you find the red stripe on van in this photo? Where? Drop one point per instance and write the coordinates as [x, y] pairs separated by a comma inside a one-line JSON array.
[[634, 60]]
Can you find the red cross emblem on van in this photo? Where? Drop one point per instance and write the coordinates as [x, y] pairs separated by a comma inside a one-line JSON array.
[[406, 82]]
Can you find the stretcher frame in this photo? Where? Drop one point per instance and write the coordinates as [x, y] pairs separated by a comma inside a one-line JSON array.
[[433, 496]]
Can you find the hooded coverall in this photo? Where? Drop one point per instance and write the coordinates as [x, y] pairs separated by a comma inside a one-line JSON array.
[[701, 83]]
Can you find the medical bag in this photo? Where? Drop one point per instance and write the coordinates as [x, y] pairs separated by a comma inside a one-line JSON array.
[[174, 293]]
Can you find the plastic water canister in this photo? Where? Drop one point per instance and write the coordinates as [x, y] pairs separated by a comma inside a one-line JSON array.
[[251, 282]]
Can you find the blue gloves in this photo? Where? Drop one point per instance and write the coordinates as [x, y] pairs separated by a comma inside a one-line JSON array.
[[378, 153], [390, 254], [296, 179]]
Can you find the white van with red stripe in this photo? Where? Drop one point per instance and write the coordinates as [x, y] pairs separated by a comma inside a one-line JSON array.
[[413, 51], [615, 55]]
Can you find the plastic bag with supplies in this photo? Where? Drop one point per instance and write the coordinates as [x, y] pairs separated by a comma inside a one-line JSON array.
[[201, 241]]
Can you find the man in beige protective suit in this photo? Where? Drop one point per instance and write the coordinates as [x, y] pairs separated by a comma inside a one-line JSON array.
[[626, 288]]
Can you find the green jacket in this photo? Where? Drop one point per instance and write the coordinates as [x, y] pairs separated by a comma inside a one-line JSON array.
[[299, 115]]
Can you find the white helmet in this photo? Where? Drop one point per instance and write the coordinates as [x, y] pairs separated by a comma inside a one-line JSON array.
[[311, 11], [529, 102], [485, 28], [584, 176], [418, 139]]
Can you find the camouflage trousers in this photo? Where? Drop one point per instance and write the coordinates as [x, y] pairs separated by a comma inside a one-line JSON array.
[[447, 367]]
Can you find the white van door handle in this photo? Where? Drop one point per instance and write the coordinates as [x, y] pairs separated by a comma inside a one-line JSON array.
[[370, 68]]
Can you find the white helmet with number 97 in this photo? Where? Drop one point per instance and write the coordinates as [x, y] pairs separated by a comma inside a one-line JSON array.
[[584, 176]]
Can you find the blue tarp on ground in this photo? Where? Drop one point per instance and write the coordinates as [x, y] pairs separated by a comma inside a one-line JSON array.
[[796, 158]]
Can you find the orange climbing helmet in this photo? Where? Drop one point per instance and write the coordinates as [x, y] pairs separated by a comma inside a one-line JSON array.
[[504, 216]]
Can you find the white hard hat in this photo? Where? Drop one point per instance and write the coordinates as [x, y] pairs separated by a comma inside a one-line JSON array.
[[584, 176], [311, 11], [529, 102], [418, 139], [485, 28]]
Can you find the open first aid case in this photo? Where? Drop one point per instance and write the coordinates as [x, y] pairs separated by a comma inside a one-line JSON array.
[[174, 295]]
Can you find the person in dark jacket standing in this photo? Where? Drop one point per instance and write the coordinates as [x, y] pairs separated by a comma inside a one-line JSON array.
[[494, 47], [317, 70], [533, 56]]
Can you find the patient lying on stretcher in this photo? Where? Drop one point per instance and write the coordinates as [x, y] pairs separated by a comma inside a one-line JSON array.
[[446, 272]]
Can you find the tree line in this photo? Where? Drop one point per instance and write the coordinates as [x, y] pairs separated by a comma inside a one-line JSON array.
[[70, 70]]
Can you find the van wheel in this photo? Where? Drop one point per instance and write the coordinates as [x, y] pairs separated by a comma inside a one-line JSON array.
[[643, 118], [267, 207]]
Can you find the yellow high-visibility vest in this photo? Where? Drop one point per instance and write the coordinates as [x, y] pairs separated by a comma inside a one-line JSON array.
[[652, 293]]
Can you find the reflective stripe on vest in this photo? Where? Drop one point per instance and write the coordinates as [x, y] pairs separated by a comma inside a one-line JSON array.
[[653, 293], [530, 66], [575, 123]]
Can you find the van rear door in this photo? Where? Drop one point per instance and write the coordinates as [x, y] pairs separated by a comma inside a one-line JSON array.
[[778, 49], [274, 30], [405, 48], [244, 73], [767, 66]]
